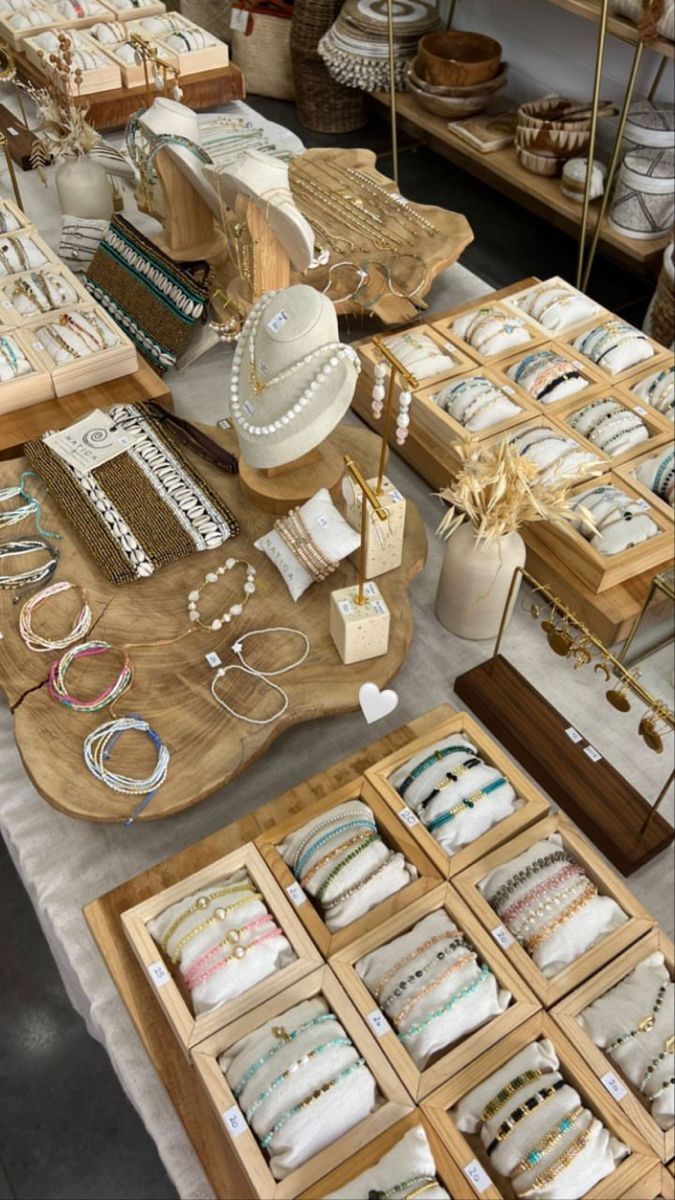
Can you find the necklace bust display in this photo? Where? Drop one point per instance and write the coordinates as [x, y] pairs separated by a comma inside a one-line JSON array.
[[292, 379]]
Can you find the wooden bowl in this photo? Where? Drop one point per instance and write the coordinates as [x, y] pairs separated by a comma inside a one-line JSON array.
[[458, 59], [538, 164], [477, 89], [545, 114], [563, 143], [450, 107]]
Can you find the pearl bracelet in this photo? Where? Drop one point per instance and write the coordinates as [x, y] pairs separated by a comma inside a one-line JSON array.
[[283, 1038], [98, 747]]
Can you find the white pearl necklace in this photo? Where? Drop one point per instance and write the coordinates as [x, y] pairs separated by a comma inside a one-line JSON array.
[[235, 610], [335, 350]]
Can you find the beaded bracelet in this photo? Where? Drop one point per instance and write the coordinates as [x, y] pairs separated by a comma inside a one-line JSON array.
[[432, 985], [303, 1104], [542, 909], [332, 875], [660, 1091], [421, 971], [547, 885], [524, 1110], [561, 1164], [645, 1025], [668, 1049], [550, 1139], [419, 1184], [526, 873], [232, 938], [98, 747], [199, 905], [219, 914], [333, 819], [56, 683], [449, 778], [283, 1039], [468, 803], [239, 951], [80, 628], [446, 1008], [432, 941], [14, 515], [514, 1085], [357, 823], [546, 931], [437, 756], [563, 377], [334, 1044], [328, 905], [334, 853], [29, 578]]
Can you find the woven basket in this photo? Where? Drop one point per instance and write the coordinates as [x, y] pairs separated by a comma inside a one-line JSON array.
[[213, 15], [662, 311], [264, 53], [322, 104]]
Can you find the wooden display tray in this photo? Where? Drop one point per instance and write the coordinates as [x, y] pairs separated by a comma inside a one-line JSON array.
[[659, 431], [25, 223], [172, 995], [392, 831], [610, 615], [628, 474], [100, 367], [445, 328], [608, 883], [395, 1101], [512, 304], [447, 1170], [200, 731], [17, 394], [534, 807], [105, 77], [611, 812], [10, 315], [111, 108], [132, 74], [16, 37], [565, 1015], [639, 378], [624, 1183], [429, 418], [203, 1125], [448, 1062], [461, 361]]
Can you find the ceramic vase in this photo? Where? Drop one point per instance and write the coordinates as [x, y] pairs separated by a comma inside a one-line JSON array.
[[475, 581], [84, 189]]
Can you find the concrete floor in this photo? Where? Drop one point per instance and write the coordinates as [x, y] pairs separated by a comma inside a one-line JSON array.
[[67, 1131]]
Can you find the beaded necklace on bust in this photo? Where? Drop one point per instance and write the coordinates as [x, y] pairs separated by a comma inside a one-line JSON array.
[[334, 352]]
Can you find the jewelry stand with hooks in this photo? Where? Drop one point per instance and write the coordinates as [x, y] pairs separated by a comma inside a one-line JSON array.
[[359, 617], [610, 811]]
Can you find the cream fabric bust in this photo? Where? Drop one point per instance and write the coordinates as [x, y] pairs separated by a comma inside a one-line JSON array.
[[619, 1011], [165, 116], [600, 1156], [324, 1120], [485, 1003], [282, 329], [410, 1159], [585, 929], [396, 875]]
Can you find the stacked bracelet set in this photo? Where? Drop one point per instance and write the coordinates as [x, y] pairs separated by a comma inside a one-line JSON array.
[[547, 375], [615, 346], [293, 531], [542, 898]]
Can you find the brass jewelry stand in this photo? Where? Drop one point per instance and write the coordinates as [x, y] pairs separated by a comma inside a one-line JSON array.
[[611, 812], [413, 383]]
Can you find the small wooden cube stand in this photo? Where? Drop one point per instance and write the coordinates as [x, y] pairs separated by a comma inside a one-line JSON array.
[[448, 1062], [633, 1179], [534, 805], [447, 1170], [394, 1100], [172, 994], [608, 884], [565, 1015]]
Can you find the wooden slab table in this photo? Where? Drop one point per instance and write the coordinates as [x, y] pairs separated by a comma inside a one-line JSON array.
[[172, 682]]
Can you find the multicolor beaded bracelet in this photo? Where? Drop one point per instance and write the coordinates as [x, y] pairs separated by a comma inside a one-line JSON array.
[[346, 895], [359, 823], [514, 1085], [334, 1044], [56, 683], [432, 941], [314, 1096], [561, 1164], [239, 951], [449, 778], [441, 1012], [79, 629], [539, 864], [403, 984], [283, 1038], [550, 1139], [524, 1110], [645, 1025], [232, 939], [547, 885], [98, 747], [437, 756], [464, 961], [463, 805], [332, 875], [566, 915]]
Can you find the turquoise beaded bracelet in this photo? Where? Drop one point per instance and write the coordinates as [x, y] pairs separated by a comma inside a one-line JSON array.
[[361, 823], [446, 1008], [303, 1104], [298, 1062], [332, 875], [284, 1038]]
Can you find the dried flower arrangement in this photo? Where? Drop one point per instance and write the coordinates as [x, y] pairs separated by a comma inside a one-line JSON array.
[[63, 130], [498, 491]]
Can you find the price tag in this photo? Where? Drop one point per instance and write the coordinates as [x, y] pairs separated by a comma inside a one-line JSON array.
[[378, 1023], [248, 408], [573, 734], [12, 132], [592, 753], [370, 589], [578, 364], [408, 817], [502, 936], [642, 411], [378, 607], [278, 321], [38, 346], [346, 607], [641, 504], [158, 973], [508, 389], [477, 1175], [224, 423], [321, 521], [296, 894], [213, 659], [234, 1121], [396, 495], [614, 1086], [239, 20]]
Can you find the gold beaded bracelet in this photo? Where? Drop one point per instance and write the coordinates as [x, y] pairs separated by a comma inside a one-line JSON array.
[[219, 915], [433, 983], [546, 931], [550, 1139], [199, 905], [508, 1091], [561, 1164]]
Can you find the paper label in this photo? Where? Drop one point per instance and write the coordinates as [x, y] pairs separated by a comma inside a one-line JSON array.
[[370, 589], [90, 442], [396, 496], [158, 973], [641, 504], [321, 520], [592, 753], [239, 20], [224, 423], [408, 817], [378, 1023], [37, 345], [642, 411], [234, 1121], [573, 734], [378, 607], [7, 304], [614, 1086], [576, 363], [507, 388], [346, 607], [248, 408], [502, 936], [278, 321], [477, 1175], [296, 894], [12, 132], [213, 658]]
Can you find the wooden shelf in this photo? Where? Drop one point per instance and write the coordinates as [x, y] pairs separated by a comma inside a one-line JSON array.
[[626, 31], [540, 194]]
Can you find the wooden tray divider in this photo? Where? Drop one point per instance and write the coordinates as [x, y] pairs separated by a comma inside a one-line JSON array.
[[370, 356], [511, 302], [99, 367], [627, 473], [439, 425]]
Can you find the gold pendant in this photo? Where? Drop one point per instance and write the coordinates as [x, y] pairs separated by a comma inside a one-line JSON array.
[[547, 626], [618, 700], [650, 735], [647, 1024], [560, 643], [282, 1034]]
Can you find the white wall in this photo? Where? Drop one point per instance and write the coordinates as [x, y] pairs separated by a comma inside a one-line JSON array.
[[551, 50]]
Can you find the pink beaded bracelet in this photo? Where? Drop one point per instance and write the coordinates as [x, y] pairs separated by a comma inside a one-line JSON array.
[[547, 885], [239, 951], [56, 682]]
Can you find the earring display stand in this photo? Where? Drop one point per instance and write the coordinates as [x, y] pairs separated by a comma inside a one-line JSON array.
[[614, 815]]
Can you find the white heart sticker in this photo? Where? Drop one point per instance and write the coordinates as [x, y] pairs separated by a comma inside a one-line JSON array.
[[376, 704]]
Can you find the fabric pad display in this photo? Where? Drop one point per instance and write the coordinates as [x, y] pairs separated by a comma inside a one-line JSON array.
[[620, 521], [536, 1129], [155, 300], [420, 354], [223, 939], [141, 510], [19, 253], [344, 865], [407, 1169], [615, 346], [476, 403], [610, 426], [547, 375], [300, 1083], [456, 795], [550, 905], [491, 331], [554, 454], [557, 306], [308, 544], [659, 391], [633, 1024], [432, 987], [658, 473]]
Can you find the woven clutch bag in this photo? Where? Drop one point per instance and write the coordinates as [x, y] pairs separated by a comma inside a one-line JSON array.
[[141, 510], [155, 300]]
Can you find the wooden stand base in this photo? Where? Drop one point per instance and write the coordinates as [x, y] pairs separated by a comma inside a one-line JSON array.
[[601, 802], [281, 488]]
